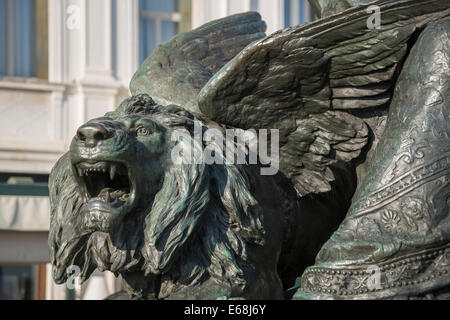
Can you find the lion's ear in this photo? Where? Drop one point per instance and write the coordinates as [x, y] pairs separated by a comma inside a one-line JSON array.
[[175, 214]]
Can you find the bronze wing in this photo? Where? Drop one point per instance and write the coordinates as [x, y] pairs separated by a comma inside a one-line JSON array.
[[178, 69], [307, 81]]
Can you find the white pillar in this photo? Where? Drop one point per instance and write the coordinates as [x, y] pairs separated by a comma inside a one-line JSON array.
[[127, 40], [98, 45], [66, 36], [236, 6], [272, 12], [66, 40], [53, 291], [204, 11], [82, 47], [295, 12], [96, 288]]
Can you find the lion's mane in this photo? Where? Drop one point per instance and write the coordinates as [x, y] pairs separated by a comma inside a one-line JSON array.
[[198, 225]]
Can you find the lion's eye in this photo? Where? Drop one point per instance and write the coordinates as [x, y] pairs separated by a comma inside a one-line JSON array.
[[143, 132]]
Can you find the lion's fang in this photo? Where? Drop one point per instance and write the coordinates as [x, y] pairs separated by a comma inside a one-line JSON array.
[[112, 172]]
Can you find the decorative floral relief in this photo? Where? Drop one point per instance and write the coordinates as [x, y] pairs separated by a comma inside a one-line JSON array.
[[405, 217], [410, 151], [340, 282], [395, 275], [403, 184], [357, 282], [437, 118], [390, 219], [368, 228], [411, 271], [414, 208], [444, 261]]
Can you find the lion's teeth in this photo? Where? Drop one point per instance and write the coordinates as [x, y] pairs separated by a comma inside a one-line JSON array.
[[108, 197], [80, 172], [112, 172]]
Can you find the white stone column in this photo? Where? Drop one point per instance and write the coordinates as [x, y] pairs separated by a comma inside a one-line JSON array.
[[98, 83], [204, 11], [66, 36], [127, 40], [236, 6], [94, 54], [53, 291], [66, 40], [98, 46], [272, 12]]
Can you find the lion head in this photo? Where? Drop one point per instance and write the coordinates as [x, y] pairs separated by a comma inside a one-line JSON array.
[[120, 203]]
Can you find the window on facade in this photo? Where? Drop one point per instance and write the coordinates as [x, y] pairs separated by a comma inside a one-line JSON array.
[[17, 282], [22, 184], [22, 282], [159, 21], [23, 38], [297, 12]]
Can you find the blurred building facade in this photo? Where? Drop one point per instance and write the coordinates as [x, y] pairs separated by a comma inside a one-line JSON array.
[[63, 62]]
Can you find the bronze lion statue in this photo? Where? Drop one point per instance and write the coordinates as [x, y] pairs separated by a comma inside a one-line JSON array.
[[168, 228], [357, 206]]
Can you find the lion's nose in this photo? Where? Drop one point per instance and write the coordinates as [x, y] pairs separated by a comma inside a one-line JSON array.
[[92, 133]]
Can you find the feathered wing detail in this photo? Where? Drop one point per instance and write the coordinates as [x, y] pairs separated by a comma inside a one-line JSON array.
[[178, 69], [320, 140], [305, 80]]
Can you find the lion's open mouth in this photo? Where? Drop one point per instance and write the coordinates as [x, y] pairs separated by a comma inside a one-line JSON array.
[[106, 186]]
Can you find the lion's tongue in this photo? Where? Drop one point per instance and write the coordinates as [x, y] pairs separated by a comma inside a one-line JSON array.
[[111, 195]]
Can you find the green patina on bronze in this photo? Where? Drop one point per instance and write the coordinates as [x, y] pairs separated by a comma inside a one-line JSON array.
[[363, 174]]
